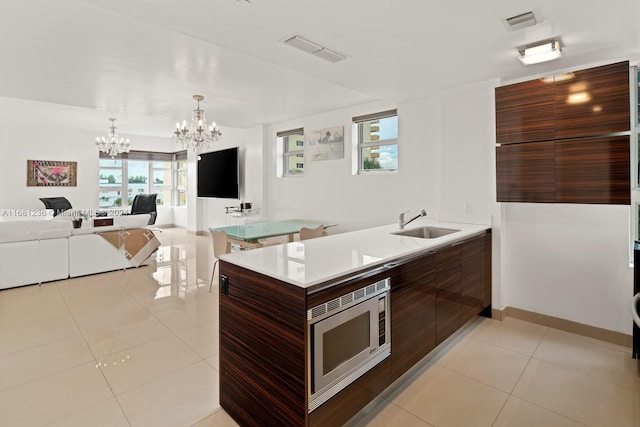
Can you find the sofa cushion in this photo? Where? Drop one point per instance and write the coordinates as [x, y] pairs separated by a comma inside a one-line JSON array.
[[131, 221], [33, 229]]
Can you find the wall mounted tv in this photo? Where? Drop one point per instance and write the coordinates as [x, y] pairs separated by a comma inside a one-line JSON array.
[[219, 174]]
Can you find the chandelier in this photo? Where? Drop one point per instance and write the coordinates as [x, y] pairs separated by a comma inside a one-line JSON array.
[[112, 144], [195, 134]]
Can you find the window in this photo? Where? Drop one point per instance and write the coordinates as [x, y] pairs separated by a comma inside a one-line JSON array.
[[110, 182], [181, 179], [292, 143], [145, 172], [377, 138]]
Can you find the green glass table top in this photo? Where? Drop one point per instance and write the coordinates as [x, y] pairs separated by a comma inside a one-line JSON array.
[[261, 230]]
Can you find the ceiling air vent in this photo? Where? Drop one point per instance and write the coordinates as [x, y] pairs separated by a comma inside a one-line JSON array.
[[314, 48], [524, 20]]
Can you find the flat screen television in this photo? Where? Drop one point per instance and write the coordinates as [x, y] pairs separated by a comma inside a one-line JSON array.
[[219, 174]]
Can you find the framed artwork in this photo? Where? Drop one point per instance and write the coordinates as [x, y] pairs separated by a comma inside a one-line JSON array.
[[325, 144], [51, 173]]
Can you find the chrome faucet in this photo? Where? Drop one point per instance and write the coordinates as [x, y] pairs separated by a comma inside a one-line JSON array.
[[401, 221]]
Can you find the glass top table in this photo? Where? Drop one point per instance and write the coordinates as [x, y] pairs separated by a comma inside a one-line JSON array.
[[248, 235]]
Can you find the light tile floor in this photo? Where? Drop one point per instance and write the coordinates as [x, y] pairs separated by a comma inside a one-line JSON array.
[[140, 348]]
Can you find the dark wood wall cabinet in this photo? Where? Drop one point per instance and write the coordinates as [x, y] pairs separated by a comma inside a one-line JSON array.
[[263, 331], [526, 172], [559, 138], [524, 112]]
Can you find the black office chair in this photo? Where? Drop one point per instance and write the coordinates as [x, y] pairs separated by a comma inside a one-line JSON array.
[[145, 204], [58, 204]]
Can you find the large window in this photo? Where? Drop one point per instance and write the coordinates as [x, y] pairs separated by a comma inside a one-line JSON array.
[[377, 138], [292, 143], [138, 172]]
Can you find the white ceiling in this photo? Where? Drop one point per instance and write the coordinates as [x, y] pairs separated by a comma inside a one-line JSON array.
[[141, 61]]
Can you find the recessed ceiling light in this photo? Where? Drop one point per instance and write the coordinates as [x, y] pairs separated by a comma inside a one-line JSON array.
[[540, 52]]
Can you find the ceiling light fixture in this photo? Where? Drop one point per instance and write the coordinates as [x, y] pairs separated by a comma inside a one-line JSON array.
[[540, 52], [112, 144], [195, 134]]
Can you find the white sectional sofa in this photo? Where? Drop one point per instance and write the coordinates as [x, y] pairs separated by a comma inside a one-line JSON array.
[[33, 251], [42, 250]]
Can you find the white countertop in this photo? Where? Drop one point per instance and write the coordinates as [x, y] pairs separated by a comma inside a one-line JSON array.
[[310, 262]]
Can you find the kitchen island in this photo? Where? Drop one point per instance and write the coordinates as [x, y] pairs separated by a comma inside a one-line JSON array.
[[266, 356]]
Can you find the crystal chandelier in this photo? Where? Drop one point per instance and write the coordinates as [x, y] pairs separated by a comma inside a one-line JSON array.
[[195, 134], [112, 144]]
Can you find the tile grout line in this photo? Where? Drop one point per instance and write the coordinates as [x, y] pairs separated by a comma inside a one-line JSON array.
[[587, 374], [95, 362], [510, 394], [532, 357]]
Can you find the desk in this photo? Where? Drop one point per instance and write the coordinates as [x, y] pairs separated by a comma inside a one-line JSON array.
[[248, 235]]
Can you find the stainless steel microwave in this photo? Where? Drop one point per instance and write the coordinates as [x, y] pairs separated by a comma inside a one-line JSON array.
[[348, 336]]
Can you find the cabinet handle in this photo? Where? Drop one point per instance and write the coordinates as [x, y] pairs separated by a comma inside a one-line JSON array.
[[390, 265], [224, 285]]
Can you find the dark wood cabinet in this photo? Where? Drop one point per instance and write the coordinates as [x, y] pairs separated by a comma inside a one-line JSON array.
[[524, 111], [475, 268], [595, 170], [413, 312], [448, 292], [265, 342], [579, 161], [262, 349], [526, 172], [592, 102]]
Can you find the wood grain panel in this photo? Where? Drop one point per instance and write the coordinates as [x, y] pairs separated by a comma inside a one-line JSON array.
[[525, 112], [343, 406], [448, 302], [594, 170], [594, 102], [487, 271], [262, 349], [413, 312], [472, 274], [526, 172]]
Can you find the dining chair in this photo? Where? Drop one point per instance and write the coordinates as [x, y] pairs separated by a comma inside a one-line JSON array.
[[221, 246], [311, 233]]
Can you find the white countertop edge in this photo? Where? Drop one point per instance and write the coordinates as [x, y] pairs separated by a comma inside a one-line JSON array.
[[312, 262]]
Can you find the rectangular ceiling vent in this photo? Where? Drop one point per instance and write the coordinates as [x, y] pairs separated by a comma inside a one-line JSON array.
[[524, 20], [314, 48]]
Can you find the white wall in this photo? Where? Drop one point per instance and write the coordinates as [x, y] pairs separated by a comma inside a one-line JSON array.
[[329, 192], [567, 261], [468, 153], [210, 212], [20, 143]]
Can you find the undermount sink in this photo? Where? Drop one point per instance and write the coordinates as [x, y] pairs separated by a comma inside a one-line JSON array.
[[426, 232]]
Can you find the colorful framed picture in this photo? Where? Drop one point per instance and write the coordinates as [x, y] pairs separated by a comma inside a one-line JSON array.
[[51, 173]]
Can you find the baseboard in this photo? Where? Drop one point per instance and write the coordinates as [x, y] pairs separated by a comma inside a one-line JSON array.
[[498, 314], [564, 325]]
